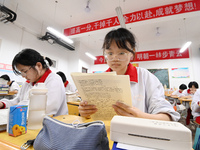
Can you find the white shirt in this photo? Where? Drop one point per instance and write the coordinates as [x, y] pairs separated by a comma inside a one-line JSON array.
[[194, 105], [56, 98], [148, 93], [177, 92], [70, 88], [186, 93], [14, 86]]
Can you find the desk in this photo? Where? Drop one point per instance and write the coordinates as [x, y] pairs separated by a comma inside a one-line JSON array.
[[186, 102], [8, 96], [16, 142], [73, 108], [174, 98]]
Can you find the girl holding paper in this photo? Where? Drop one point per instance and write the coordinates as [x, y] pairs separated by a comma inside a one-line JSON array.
[[147, 92]]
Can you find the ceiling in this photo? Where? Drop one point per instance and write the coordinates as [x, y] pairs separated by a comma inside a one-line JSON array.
[[69, 13]]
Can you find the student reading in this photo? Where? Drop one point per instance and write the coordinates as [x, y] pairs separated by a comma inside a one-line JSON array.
[[13, 86], [147, 92], [31, 65], [68, 87]]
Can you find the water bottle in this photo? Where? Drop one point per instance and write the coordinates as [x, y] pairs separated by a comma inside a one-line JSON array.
[[37, 106]]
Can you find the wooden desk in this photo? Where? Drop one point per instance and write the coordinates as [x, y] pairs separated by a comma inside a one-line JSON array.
[[73, 108], [15, 142], [8, 96]]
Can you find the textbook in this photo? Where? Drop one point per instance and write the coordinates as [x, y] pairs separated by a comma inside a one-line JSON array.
[[103, 90]]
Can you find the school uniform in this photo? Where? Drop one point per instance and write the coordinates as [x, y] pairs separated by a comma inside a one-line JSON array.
[[69, 87], [148, 93], [195, 104], [186, 92], [14, 87], [178, 93], [56, 98]]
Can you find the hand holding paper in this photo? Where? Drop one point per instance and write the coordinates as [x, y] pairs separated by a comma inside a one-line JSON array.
[[102, 90]]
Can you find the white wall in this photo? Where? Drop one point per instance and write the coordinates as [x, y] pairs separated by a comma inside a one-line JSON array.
[[14, 39], [193, 63]]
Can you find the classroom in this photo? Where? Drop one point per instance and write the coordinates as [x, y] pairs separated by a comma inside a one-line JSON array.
[[160, 27]]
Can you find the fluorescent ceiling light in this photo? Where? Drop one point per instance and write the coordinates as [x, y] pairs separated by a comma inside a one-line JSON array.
[[59, 35], [90, 55], [120, 17], [185, 46]]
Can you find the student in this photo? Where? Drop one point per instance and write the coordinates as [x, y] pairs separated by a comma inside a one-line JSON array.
[[196, 106], [13, 86], [178, 92], [188, 93], [68, 87], [31, 65], [147, 92]]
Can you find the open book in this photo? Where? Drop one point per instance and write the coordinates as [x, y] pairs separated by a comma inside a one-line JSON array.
[[103, 90]]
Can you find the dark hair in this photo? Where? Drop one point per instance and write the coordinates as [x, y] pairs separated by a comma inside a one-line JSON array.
[[5, 77], [193, 83], [182, 87], [29, 57], [62, 75], [121, 36]]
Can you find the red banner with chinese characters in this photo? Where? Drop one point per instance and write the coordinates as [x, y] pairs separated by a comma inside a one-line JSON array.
[[160, 55], [152, 55], [151, 13]]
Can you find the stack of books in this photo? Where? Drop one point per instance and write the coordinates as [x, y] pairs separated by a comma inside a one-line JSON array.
[[4, 89]]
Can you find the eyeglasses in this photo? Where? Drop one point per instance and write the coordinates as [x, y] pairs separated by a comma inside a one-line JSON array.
[[122, 56], [24, 73]]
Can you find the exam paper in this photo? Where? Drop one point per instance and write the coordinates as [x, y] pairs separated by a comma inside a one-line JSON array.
[[103, 90]]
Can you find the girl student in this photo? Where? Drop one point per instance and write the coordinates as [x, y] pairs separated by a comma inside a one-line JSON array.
[[147, 92], [68, 86], [13, 86], [33, 67], [189, 93]]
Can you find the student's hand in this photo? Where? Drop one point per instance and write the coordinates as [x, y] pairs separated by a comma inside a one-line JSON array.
[[86, 109], [1, 105], [125, 110]]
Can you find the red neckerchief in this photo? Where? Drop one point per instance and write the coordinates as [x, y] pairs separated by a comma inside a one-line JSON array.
[[188, 91], [66, 83], [43, 78], [131, 71], [180, 91], [198, 119]]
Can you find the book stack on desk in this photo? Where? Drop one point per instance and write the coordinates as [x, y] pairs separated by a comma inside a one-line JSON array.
[[4, 89]]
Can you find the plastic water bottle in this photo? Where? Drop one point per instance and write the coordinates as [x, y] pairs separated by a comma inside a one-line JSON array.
[[37, 106]]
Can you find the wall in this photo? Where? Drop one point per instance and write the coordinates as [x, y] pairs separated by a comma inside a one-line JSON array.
[[14, 38], [192, 63]]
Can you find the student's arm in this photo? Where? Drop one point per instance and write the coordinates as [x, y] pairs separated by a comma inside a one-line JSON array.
[[196, 102], [125, 110], [5, 103], [189, 96]]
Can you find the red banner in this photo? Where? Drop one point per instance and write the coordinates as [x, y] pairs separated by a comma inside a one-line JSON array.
[[151, 13], [160, 55], [99, 60], [152, 55], [5, 66]]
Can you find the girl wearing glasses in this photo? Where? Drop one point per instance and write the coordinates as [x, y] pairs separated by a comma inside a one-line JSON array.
[[33, 67], [147, 92]]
